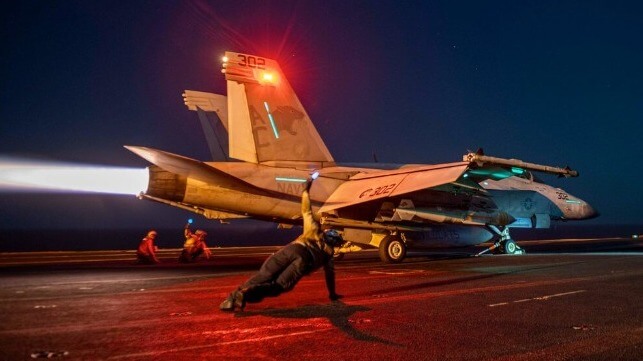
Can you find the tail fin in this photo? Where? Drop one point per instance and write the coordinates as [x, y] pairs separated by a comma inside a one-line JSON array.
[[213, 114], [266, 121]]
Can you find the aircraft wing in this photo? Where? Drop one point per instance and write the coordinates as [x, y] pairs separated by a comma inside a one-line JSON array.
[[194, 169], [371, 186]]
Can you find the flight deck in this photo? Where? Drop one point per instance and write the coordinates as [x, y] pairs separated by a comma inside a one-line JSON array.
[[564, 300]]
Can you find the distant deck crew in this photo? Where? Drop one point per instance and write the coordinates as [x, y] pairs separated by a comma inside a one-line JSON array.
[[194, 245], [281, 271], [146, 252]]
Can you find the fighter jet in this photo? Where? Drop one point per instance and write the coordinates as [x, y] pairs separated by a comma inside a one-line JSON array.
[[273, 148]]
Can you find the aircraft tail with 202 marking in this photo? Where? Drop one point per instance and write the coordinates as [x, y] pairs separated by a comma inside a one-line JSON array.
[[274, 148]]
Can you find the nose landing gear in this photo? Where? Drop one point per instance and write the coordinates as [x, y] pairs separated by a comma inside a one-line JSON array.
[[505, 245]]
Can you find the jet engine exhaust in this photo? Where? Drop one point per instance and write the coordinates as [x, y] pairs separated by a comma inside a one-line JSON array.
[[18, 175]]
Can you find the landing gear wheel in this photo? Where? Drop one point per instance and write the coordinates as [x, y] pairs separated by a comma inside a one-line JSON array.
[[509, 246], [392, 250]]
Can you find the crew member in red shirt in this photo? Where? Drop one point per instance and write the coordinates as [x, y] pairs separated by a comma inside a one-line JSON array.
[[146, 252]]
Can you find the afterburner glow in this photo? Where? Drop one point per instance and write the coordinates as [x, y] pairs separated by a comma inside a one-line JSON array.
[[26, 176]]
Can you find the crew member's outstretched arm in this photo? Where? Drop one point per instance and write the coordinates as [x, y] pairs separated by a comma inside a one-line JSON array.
[[311, 226], [186, 232]]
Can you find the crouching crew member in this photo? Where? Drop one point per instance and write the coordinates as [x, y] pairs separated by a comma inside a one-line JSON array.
[[194, 245], [281, 271], [146, 252]]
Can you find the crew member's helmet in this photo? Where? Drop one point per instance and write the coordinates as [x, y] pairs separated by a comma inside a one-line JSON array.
[[201, 233], [151, 233], [332, 238]]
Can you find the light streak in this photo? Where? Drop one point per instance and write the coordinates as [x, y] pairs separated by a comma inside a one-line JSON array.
[[287, 179], [272, 120], [38, 176], [572, 201]]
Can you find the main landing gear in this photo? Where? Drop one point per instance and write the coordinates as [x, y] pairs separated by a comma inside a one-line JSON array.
[[392, 249], [505, 244]]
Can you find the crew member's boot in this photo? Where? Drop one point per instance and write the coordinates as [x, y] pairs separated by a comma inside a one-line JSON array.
[[234, 300], [240, 299], [227, 304]]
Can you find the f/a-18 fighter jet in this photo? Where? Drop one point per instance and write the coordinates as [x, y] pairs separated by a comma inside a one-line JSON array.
[[273, 148]]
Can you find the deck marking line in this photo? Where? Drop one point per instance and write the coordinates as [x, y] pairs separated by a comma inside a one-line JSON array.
[[539, 298], [258, 339]]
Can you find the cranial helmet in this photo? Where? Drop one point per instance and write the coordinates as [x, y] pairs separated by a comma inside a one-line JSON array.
[[332, 238]]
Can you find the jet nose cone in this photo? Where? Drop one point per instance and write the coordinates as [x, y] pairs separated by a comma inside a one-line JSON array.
[[590, 212], [579, 209]]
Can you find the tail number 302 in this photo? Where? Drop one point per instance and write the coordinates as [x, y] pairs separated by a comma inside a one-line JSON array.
[[251, 61]]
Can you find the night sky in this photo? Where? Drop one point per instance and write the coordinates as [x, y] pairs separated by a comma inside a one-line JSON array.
[[550, 82]]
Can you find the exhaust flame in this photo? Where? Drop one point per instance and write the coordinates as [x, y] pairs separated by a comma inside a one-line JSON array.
[[35, 176]]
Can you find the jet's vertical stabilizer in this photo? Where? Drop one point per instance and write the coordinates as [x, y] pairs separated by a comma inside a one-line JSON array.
[[266, 121], [213, 115]]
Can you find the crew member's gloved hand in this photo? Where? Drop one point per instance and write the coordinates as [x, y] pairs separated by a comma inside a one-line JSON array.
[[335, 297]]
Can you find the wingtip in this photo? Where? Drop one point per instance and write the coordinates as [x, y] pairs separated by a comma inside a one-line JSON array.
[[136, 149], [148, 154], [130, 147]]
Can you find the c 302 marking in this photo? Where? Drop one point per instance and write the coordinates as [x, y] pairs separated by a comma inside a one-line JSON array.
[[379, 191]]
